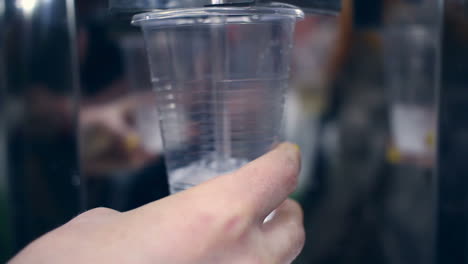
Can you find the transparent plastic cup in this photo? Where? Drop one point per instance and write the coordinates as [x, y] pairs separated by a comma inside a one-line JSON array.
[[220, 74], [146, 113], [411, 75]]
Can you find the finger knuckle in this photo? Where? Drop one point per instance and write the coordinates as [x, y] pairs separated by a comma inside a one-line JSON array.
[[297, 238], [97, 212], [296, 210], [101, 211], [257, 259], [235, 227], [300, 238], [232, 225]]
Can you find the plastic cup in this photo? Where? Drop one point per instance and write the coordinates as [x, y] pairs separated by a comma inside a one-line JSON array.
[[146, 113], [220, 74], [411, 75]]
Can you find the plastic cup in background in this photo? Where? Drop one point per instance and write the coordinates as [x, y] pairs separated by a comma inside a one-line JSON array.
[[220, 74], [411, 74], [138, 76]]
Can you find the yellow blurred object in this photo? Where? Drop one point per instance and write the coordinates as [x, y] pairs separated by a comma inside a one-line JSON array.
[[394, 155], [430, 139], [297, 147], [132, 142], [313, 98]]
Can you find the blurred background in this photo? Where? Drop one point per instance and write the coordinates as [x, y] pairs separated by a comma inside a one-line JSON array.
[[376, 102]]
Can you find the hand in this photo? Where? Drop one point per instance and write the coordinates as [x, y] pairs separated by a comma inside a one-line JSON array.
[[220, 221], [112, 142]]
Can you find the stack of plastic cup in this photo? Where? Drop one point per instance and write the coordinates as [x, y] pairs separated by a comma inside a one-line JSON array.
[[411, 74], [220, 75]]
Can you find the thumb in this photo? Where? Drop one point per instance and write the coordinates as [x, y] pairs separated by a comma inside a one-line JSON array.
[[260, 186]]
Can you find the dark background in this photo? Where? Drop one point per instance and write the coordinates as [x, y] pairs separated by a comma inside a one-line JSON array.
[[365, 205]]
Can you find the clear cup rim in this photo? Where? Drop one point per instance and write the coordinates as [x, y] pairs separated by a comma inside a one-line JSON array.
[[274, 9]]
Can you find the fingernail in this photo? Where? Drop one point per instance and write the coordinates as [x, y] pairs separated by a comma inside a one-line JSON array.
[[298, 148], [293, 150], [293, 156]]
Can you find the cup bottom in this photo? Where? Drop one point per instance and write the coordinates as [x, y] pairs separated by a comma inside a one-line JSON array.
[[201, 171]]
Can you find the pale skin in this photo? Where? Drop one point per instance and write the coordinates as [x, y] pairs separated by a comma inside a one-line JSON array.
[[221, 221]]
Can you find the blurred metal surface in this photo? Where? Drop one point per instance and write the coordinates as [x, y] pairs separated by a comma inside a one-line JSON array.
[[452, 203], [139, 6], [40, 108], [318, 6], [5, 220], [142, 5]]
